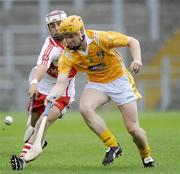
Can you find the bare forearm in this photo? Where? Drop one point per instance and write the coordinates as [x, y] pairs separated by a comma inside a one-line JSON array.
[[136, 54], [38, 75], [40, 72], [60, 86], [135, 49], [58, 90]]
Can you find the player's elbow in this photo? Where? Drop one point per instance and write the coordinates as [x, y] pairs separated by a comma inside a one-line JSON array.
[[132, 42]]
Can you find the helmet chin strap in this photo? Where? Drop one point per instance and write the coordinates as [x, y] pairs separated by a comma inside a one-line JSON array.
[[82, 36], [75, 47]]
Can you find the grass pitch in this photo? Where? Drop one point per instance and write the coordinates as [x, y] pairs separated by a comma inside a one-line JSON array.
[[74, 149]]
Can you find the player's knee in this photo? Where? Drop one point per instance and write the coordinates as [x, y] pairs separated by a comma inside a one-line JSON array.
[[85, 109], [133, 130]]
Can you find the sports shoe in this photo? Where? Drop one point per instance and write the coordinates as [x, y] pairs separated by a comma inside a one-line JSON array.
[[17, 163], [111, 154], [45, 143], [148, 162]]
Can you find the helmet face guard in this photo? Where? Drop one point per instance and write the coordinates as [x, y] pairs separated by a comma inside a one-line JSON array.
[[71, 35], [54, 16], [70, 26]]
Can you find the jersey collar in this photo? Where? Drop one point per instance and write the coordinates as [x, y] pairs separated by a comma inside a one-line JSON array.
[[88, 40]]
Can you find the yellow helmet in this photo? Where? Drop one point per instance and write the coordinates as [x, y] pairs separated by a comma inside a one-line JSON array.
[[71, 24]]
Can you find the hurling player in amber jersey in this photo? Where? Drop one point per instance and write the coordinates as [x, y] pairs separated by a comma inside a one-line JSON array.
[[96, 54], [42, 78]]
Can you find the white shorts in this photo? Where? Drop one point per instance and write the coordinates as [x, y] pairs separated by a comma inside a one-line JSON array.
[[121, 90]]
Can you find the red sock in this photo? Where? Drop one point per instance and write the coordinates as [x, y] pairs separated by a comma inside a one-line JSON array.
[[25, 149]]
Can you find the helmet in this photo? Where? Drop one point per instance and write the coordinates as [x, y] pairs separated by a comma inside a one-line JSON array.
[[71, 24], [55, 15]]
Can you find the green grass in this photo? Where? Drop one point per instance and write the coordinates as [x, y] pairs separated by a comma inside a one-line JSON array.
[[74, 149]]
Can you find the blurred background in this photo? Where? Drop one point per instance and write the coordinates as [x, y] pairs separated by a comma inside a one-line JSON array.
[[155, 23]]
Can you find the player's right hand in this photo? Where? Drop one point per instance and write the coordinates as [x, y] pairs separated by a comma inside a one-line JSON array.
[[33, 89], [135, 66]]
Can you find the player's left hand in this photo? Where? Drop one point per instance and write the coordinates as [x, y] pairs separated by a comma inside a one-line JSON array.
[[50, 99], [135, 66]]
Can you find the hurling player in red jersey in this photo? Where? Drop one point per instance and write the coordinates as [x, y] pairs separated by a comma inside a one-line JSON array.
[[42, 78]]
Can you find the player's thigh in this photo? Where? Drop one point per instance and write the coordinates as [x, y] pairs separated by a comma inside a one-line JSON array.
[[92, 98], [130, 114]]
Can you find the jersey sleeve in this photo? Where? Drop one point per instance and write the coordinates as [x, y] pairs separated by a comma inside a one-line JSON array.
[[112, 39], [46, 54]]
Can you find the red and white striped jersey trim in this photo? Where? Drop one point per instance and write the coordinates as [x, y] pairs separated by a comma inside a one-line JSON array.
[[56, 43], [46, 54]]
